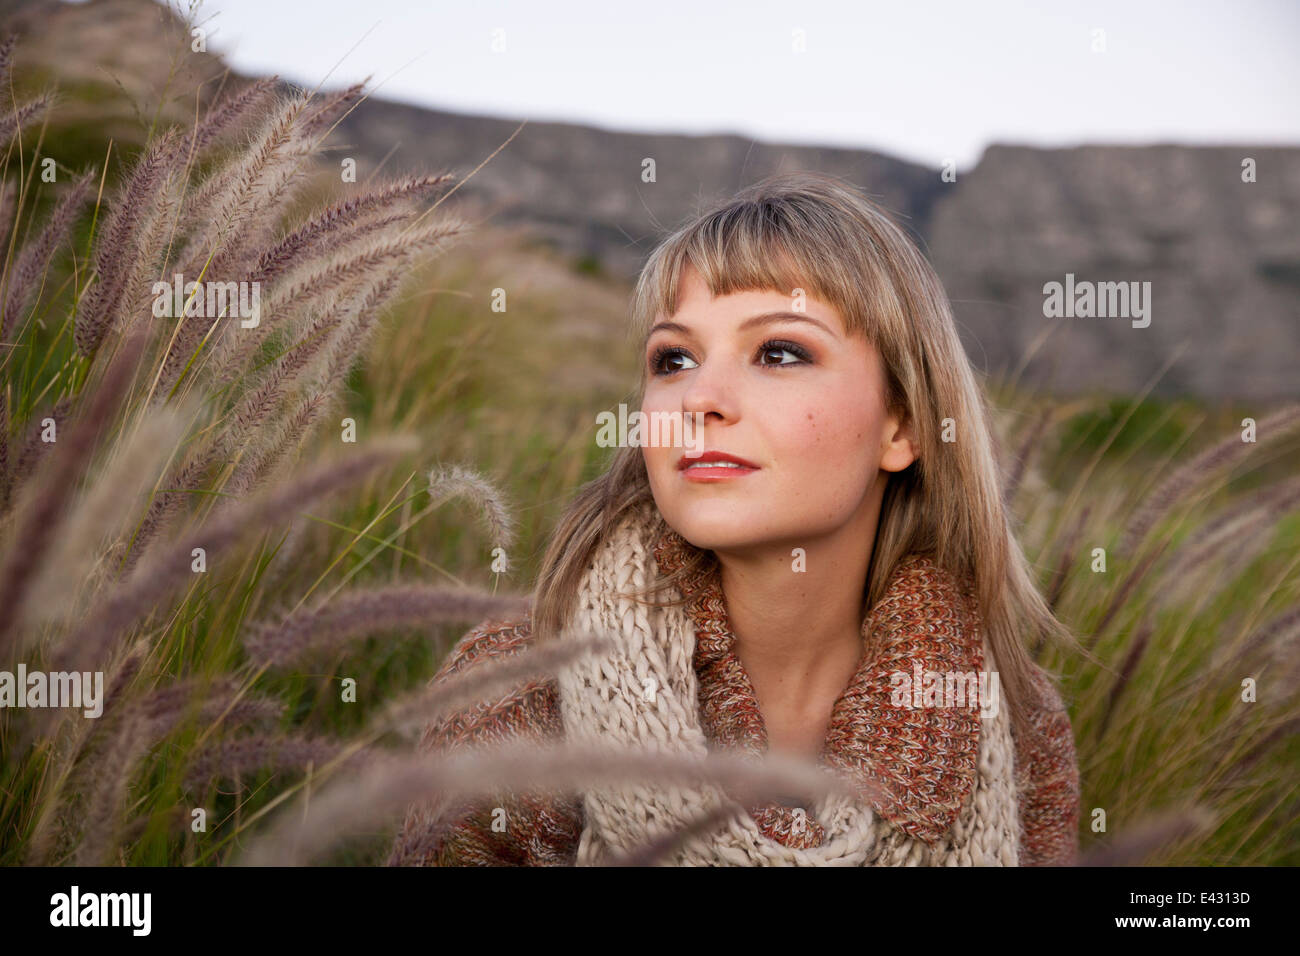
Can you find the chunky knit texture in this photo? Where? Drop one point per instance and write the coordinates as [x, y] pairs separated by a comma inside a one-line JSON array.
[[957, 789]]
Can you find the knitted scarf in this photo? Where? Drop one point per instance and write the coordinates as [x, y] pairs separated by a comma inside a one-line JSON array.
[[948, 775]]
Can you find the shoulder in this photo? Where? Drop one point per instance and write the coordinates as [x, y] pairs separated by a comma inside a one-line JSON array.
[[528, 707]]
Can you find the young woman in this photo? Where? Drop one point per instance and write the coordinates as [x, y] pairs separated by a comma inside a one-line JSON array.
[[838, 552]]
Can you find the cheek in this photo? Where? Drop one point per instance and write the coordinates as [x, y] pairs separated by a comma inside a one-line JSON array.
[[658, 458], [837, 432]]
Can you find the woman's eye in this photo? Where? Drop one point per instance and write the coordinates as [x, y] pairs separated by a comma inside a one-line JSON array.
[[789, 348], [662, 356], [668, 360]]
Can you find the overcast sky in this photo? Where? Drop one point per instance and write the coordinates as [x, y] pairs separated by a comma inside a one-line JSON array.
[[921, 80]]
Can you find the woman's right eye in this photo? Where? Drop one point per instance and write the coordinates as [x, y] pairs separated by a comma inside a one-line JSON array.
[[667, 353]]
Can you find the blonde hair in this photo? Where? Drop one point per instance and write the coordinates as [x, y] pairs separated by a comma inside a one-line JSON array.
[[812, 231]]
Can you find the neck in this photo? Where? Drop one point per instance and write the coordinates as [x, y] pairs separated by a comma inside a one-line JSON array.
[[798, 633]]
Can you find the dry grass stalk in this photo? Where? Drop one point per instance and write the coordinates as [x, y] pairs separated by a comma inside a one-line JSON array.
[[144, 724], [446, 482], [1139, 842], [359, 613], [35, 532], [59, 590], [168, 570], [22, 283], [346, 806], [243, 755], [428, 706], [1194, 474]]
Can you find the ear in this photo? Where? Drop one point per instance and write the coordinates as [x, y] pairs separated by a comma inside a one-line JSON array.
[[898, 445]]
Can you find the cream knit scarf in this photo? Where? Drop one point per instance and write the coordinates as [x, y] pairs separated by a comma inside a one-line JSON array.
[[603, 703]]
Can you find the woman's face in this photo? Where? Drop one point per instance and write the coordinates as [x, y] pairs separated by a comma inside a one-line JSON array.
[[793, 395]]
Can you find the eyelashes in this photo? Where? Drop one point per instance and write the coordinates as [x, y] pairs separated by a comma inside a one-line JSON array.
[[771, 345]]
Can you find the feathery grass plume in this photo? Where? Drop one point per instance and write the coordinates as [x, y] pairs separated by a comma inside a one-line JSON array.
[[8, 211], [244, 427], [343, 268], [333, 107], [258, 464], [4, 451], [249, 754], [313, 126], [116, 767], [124, 674], [7, 57], [1281, 630], [452, 481], [228, 220], [262, 399], [347, 805], [1209, 464], [167, 706], [358, 613], [12, 123], [1068, 556], [1136, 844], [428, 706], [145, 725], [35, 446], [231, 113], [1119, 597], [1125, 674], [231, 354], [36, 527], [22, 283], [1032, 440], [154, 580], [59, 589], [119, 246], [180, 484], [346, 266], [318, 230], [275, 144], [1224, 540], [1285, 730], [339, 336]]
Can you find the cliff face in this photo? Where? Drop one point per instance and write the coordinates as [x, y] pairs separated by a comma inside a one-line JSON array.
[[582, 186], [1222, 256]]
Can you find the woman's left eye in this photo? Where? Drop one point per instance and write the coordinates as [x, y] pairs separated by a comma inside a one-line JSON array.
[[800, 354]]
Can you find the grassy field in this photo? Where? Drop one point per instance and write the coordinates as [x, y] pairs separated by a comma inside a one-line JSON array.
[[1200, 530]]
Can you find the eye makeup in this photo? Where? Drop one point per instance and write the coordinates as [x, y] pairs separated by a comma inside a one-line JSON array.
[[802, 354]]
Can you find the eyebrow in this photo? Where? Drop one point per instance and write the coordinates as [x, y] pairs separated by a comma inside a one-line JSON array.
[[763, 318]]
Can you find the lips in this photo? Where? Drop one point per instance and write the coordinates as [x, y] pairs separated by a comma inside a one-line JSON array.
[[718, 461]]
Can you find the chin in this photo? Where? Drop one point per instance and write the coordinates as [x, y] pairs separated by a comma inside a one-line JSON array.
[[721, 525]]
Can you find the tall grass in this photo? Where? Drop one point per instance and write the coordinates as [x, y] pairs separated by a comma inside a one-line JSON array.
[[153, 513], [229, 690]]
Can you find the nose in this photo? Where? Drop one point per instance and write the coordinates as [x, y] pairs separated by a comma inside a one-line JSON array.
[[711, 392]]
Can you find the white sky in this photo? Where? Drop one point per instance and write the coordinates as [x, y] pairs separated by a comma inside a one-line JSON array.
[[920, 80]]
